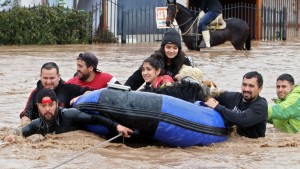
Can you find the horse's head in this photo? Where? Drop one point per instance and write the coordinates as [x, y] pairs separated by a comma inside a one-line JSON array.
[[171, 12]]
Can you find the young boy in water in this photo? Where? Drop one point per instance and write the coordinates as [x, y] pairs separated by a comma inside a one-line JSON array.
[[285, 114]]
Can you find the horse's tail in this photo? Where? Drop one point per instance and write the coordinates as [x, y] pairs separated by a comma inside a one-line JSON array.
[[248, 43]]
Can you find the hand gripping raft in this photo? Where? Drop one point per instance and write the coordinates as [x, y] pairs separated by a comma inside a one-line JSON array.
[[166, 119]]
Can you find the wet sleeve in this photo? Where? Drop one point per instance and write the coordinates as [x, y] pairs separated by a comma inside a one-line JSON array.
[[29, 108], [256, 113], [78, 116], [32, 128], [286, 109], [136, 80]]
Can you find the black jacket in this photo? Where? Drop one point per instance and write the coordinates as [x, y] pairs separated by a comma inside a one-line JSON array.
[[211, 5], [65, 121], [64, 92], [250, 117]]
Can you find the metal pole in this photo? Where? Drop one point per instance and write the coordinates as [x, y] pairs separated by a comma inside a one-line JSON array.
[[123, 35]]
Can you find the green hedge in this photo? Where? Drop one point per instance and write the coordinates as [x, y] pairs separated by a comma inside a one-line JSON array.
[[44, 25], [104, 36]]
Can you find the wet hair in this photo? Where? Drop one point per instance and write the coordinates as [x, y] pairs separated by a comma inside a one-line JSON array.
[[253, 74], [287, 77], [49, 66], [155, 60], [177, 61]]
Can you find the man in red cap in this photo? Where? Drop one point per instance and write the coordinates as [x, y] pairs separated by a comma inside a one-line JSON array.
[[50, 78], [53, 119], [88, 75]]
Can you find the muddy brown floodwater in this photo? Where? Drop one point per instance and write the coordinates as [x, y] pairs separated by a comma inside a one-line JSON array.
[[19, 72]]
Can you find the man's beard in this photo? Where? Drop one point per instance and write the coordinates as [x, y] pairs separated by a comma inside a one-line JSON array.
[[51, 120], [84, 77], [249, 99]]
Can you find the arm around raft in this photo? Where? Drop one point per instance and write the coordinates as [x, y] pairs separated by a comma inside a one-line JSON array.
[[84, 118]]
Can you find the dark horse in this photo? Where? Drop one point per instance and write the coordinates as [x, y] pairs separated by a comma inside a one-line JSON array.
[[237, 31]]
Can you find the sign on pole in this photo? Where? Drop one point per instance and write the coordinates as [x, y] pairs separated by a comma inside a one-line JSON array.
[[161, 16]]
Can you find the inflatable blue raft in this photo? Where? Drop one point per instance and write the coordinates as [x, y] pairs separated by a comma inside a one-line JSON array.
[[166, 119]]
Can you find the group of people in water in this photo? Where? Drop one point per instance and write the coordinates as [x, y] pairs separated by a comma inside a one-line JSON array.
[[49, 106]]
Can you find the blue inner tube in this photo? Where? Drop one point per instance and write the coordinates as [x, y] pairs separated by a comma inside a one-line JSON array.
[[166, 119]]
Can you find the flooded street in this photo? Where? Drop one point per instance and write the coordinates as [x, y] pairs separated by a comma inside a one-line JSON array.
[[19, 72]]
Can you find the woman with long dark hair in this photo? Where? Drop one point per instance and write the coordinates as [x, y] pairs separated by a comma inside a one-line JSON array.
[[153, 72], [172, 55]]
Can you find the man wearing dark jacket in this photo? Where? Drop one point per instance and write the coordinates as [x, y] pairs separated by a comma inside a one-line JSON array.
[[247, 110], [50, 78], [55, 120]]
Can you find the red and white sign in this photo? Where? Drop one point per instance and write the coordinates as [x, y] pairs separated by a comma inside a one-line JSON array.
[[161, 16]]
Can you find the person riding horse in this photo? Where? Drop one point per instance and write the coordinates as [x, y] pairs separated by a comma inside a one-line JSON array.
[[235, 30], [212, 9]]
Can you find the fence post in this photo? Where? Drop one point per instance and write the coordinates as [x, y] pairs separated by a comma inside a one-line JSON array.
[[123, 35], [297, 16], [75, 4], [264, 23], [104, 14], [284, 23], [280, 24], [274, 24], [92, 24], [259, 20]]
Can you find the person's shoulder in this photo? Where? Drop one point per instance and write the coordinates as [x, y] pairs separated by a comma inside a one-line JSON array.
[[73, 80], [39, 84], [260, 98], [35, 90], [36, 122], [71, 86], [293, 96], [229, 96], [260, 102], [296, 89], [103, 76]]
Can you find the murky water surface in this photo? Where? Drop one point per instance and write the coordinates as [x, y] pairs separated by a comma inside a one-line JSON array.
[[19, 72]]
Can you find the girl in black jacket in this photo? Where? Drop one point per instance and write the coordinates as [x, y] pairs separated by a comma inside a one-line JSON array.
[[173, 58]]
